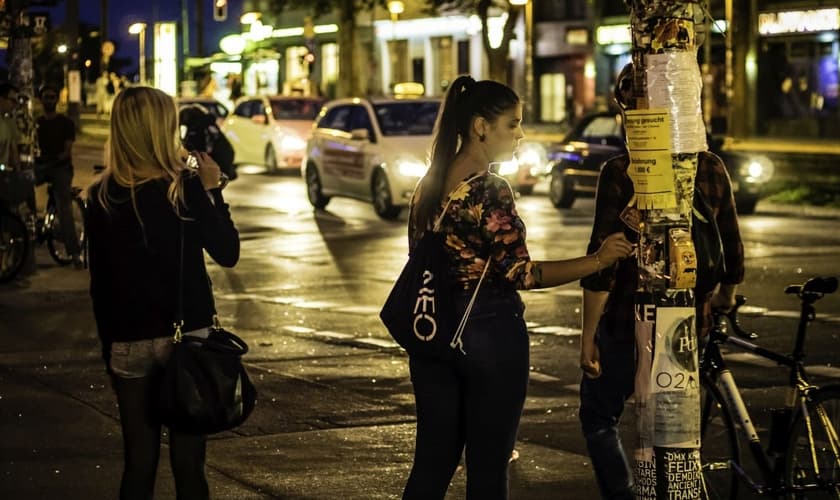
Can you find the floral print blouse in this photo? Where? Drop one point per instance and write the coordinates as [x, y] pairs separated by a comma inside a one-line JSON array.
[[480, 222]]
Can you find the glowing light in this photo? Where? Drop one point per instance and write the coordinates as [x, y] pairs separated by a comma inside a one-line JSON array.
[[136, 28], [232, 44]]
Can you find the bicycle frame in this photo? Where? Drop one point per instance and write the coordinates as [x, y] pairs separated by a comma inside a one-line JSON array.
[[713, 366]]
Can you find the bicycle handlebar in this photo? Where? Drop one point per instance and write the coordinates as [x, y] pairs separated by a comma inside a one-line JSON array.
[[808, 292], [732, 316]]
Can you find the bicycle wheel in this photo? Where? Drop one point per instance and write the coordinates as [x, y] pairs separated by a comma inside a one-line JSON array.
[[13, 245], [55, 242], [824, 409], [719, 447]]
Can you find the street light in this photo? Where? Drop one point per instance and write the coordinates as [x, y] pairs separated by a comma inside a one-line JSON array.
[[140, 29], [395, 7], [528, 110]]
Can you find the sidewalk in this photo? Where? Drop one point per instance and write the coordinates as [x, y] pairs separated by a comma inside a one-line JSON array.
[[336, 424]]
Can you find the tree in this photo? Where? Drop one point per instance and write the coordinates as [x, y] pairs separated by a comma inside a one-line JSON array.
[[497, 58], [351, 81]]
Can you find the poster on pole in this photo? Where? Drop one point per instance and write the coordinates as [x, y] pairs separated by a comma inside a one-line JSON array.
[[644, 473], [649, 143]]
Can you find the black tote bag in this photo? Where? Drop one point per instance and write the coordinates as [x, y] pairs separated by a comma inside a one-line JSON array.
[[419, 313]]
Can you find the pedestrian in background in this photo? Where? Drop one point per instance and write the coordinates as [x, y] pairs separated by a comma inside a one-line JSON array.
[[608, 345], [102, 106], [149, 221], [56, 134], [8, 126], [475, 401]]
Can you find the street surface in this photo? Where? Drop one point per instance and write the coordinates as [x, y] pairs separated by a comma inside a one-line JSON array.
[[335, 414]]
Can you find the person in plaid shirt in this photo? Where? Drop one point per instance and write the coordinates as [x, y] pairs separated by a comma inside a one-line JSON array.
[[607, 353]]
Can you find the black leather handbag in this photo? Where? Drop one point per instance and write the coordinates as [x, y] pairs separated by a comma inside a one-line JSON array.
[[419, 313], [205, 388]]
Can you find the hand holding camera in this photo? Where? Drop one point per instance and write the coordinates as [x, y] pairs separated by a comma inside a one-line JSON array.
[[209, 172]]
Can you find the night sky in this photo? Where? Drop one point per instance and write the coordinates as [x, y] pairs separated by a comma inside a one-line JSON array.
[[123, 13]]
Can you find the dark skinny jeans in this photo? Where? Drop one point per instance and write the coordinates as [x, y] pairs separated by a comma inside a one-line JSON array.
[[60, 178], [474, 401], [601, 405], [141, 444]]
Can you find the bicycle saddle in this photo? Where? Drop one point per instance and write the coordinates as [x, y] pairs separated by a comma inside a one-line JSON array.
[[814, 285]]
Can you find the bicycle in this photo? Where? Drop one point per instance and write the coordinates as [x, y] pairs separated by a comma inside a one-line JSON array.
[[802, 458], [16, 234], [14, 241]]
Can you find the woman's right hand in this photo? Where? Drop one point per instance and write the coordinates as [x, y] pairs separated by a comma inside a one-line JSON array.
[[614, 248], [208, 170]]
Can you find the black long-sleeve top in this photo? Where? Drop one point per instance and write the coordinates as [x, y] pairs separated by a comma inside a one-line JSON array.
[[134, 267]]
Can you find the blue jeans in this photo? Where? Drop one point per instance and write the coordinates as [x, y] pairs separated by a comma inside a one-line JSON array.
[[474, 401], [137, 368], [601, 404]]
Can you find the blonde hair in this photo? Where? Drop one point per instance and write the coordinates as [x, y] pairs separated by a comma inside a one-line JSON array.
[[143, 145]]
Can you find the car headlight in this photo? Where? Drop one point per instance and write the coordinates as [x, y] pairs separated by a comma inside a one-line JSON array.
[[510, 167], [533, 157], [756, 169], [411, 168], [292, 142]]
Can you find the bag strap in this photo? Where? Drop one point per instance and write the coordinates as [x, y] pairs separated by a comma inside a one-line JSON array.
[[457, 341], [179, 304], [436, 227]]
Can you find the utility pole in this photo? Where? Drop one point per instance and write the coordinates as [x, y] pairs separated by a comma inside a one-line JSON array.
[[665, 133], [21, 75], [199, 23], [74, 81], [185, 38]]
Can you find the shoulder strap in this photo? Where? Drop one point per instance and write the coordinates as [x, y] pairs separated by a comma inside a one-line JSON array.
[[179, 304], [436, 227]]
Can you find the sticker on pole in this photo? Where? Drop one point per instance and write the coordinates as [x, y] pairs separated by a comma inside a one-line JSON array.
[[651, 170]]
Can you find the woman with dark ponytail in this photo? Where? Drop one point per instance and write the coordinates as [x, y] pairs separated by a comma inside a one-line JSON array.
[[475, 401]]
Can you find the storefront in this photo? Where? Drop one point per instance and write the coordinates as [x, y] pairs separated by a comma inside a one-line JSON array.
[[431, 51], [798, 73]]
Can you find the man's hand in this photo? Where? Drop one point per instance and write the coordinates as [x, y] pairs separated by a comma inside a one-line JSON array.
[[724, 298], [590, 359]]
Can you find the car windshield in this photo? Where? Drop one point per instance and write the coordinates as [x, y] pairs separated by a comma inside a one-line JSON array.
[[295, 109], [407, 117]]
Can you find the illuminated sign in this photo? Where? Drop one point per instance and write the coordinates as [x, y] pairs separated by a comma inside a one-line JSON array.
[[798, 21], [166, 57], [578, 36], [616, 33]]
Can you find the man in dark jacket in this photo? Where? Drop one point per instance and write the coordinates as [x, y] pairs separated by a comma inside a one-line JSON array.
[[608, 357]]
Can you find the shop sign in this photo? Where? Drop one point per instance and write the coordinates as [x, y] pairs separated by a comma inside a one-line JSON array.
[[798, 21], [615, 33]]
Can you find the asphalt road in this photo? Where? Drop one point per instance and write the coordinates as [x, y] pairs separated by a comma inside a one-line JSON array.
[[336, 411]]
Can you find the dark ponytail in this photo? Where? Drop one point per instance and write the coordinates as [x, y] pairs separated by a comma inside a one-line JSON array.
[[465, 99]]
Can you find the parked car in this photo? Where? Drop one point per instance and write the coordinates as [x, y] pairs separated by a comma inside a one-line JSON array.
[[574, 163], [371, 149], [272, 130], [212, 106], [526, 169]]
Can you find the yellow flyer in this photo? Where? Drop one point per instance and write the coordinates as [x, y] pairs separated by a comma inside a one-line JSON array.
[[649, 143]]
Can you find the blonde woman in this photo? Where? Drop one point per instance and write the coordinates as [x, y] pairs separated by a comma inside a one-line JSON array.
[[136, 213]]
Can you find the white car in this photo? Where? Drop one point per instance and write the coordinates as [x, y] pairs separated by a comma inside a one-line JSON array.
[[370, 149], [271, 130]]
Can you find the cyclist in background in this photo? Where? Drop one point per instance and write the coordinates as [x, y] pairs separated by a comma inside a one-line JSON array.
[[56, 134]]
